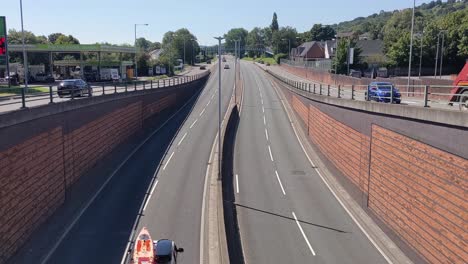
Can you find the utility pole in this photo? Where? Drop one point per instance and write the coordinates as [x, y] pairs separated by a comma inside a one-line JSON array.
[[437, 56], [411, 44], [442, 55], [25, 56], [348, 56], [421, 53], [219, 106]]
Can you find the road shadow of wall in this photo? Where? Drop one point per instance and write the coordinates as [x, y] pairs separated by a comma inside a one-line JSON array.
[[230, 214]]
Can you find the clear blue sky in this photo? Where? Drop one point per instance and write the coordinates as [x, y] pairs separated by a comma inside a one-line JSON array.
[[112, 20]]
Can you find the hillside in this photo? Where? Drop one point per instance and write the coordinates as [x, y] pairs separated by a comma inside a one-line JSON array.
[[375, 23]]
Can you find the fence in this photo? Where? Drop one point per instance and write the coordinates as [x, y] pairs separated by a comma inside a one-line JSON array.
[[319, 64], [24, 100], [438, 96]]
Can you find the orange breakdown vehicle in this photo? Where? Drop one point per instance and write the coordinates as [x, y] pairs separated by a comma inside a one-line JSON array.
[[148, 251]]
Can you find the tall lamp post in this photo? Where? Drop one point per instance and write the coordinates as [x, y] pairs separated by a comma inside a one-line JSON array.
[[421, 52], [411, 45], [219, 105], [136, 49], [437, 53], [25, 56]]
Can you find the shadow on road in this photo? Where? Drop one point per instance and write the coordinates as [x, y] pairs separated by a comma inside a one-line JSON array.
[[230, 215], [290, 218]]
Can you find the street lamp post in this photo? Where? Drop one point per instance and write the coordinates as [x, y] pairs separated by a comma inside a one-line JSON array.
[[219, 106], [442, 55], [136, 50], [25, 56], [411, 44], [421, 53], [437, 54]]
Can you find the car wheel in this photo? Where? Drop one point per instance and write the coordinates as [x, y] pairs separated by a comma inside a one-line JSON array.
[[464, 101]]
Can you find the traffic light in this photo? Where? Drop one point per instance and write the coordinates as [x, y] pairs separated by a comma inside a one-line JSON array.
[[2, 46]]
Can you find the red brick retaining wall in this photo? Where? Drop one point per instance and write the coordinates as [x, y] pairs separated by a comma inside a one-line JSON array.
[[36, 169], [416, 190]]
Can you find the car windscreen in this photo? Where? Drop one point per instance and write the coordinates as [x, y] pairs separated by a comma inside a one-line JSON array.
[[68, 82]]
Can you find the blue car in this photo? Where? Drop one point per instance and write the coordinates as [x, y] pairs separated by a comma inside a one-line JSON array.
[[382, 92]]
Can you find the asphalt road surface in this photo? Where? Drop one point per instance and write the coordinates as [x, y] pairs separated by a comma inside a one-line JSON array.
[[174, 159], [174, 210], [286, 213]]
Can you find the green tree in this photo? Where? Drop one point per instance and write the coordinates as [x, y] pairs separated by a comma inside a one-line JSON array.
[[283, 36], [173, 45], [15, 37], [274, 23], [66, 40], [340, 60], [235, 34], [255, 40], [318, 32], [143, 44]]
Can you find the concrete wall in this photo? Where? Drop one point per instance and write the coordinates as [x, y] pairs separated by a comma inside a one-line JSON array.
[[412, 174], [43, 151]]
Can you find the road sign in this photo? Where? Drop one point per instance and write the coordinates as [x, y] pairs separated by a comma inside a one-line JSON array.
[[351, 55], [3, 44]]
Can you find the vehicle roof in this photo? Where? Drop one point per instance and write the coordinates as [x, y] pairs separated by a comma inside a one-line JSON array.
[[381, 83], [71, 80], [163, 247]]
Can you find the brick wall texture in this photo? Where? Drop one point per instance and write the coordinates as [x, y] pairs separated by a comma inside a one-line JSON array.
[[416, 190], [35, 173]]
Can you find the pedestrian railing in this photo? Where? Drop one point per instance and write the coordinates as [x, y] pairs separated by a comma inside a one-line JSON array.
[[436, 96], [53, 95]]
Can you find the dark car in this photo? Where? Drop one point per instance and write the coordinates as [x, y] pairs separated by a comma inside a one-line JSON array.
[[226, 66], [165, 251], [208, 62], [382, 92], [202, 67], [43, 77], [74, 87]]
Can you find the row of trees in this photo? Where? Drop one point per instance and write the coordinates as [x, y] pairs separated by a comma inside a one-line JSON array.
[[275, 37]]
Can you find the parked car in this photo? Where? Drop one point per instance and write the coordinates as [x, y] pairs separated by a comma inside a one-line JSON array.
[[382, 92], [226, 66], [43, 77], [267, 64], [75, 87], [355, 73], [208, 62], [202, 67], [166, 251]]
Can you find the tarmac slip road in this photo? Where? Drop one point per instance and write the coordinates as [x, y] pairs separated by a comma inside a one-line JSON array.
[[175, 165], [174, 208], [285, 212]]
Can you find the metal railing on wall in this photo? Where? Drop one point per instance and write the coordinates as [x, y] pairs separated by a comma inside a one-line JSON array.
[[54, 95], [436, 96]]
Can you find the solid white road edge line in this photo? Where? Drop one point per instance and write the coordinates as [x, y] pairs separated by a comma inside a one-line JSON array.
[[194, 122], [237, 183], [329, 187], [266, 134], [279, 180], [271, 155], [203, 111], [202, 217], [182, 139], [303, 234], [149, 197], [168, 160]]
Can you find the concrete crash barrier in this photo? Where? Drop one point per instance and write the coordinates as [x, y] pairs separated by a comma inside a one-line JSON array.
[[45, 150], [409, 174]]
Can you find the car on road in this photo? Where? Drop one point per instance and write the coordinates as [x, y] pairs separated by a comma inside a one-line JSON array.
[[224, 59], [202, 67], [165, 251], [382, 92], [226, 66], [267, 64], [74, 87], [45, 78], [208, 62]]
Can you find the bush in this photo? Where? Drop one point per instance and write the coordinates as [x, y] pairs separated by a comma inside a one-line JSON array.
[[280, 56]]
